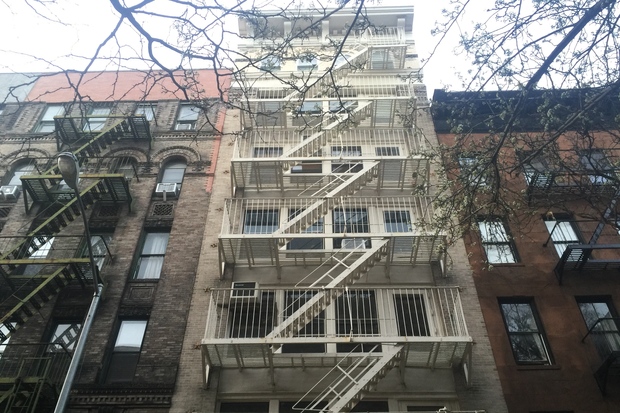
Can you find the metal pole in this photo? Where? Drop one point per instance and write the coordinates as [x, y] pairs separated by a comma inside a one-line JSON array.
[[63, 398]]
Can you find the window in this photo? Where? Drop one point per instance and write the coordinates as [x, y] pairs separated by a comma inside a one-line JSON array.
[[535, 170], [124, 165], [472, 171], [342, 60], [307, 62], [126, 352], [524, 332], [382, 59], [37, 249], [187, 117], [346, 105], [173, 172], [97, 117], [387, 151], [293, 300], [597, 166], [307, 243], [147, 110], [350, 167], [356, 315], [563, 233], [496, 242], [351, 221], [602, 321], [46, 124], [23, 168], [252, 319], [310, 108], [151, 257], [98, 243], [6, 328], [411, 316], [64, 337], [398, 221], [267, 152], [271, 62], [261, 221]]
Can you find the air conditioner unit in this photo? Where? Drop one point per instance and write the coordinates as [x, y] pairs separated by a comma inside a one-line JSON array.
[[185, 126], [244, 292], [9, 192], [170, 189]]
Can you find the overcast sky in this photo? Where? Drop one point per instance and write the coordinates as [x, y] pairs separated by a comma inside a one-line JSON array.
[[33, 43]]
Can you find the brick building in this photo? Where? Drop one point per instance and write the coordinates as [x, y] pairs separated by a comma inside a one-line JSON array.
[[546, 275], [323, 290], [145, 153]]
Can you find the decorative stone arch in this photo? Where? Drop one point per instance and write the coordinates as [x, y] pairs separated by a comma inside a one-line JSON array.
[[191, 156], [13, 158]]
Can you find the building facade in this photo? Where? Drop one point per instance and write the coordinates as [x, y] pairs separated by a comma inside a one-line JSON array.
[[546, 275], [146, 169], [326, 289]]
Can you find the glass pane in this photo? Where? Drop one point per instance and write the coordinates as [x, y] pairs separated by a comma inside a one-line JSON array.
[[261, 221], [528, 348], [149, 268], [51, 111], [155, 243], [146, 110], [130, 335], [174, 172], [499, 253], [397, 221], [65, 335], [188, 113]]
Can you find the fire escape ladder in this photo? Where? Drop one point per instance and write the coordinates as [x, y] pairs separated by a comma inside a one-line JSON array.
[[36, 291], [316, 141], [330, 197], [292, 324], [345, 390]]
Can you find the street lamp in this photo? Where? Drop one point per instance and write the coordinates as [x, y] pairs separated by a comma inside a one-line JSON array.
[[70, 171]]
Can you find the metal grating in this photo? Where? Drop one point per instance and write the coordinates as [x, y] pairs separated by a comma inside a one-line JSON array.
[[162, 209]]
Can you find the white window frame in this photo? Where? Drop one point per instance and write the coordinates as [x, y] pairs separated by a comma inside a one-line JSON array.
[[496, 241], [97, 118], [147, 110], [150, 263], [187, 117], [46, 123], [563, 233]]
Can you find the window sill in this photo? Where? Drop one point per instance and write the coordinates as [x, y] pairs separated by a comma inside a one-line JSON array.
[[521, 367], [506, 264], [143, 280]]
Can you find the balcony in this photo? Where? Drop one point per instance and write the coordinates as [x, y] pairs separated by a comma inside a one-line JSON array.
[[31, 376], [278, 160], [248, 328], [72, 130], [311, 231], [580, 258]]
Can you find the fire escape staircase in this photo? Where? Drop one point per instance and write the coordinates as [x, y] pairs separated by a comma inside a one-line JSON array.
[[345, 390]]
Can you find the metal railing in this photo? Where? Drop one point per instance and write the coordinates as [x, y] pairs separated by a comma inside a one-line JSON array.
[[605, 334]]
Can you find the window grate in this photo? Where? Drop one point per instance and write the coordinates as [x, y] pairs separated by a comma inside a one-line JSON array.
[[163, 209], [4, 212], [108, 211]]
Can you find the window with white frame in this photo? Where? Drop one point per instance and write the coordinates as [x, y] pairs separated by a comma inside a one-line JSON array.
[[293, 300], [147, 110], [261, 221], [96, 119], [387, 151], [496, 241], [26, 167], [411, 315], [528, 342], [152, 254], [597, 165], [356, 315], [270, 63], [187, 118], [307, 62], [350, 166], [126, 352], [46, 123], [267, 152], [307, 243], [398, 221], [473, 172], [351, 221], [563, 233], [125, 165], [173, 172]]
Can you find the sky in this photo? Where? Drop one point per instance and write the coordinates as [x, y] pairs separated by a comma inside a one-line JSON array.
[[39, 42]]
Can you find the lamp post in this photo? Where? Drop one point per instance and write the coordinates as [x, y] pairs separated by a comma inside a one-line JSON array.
[[70, 171]]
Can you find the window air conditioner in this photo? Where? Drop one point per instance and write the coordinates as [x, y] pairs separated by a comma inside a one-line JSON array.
[[185, 126], [170, 189], [9, 192], [244, 292]]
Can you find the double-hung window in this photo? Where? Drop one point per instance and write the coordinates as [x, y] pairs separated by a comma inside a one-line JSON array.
[[96, 119], [496, 242], [535, 170], [46, 124], [187, 118], [24, 168], [356, 315], [473, 172], [147, 110], [398, 221], [525, 333], [151, 259], [350, 166], [126, 352], [563, 233], [307, 243], [267, 151], [261, 221], [99, 244], [351, 221], [602, 322], [597, 166], [307, 62]]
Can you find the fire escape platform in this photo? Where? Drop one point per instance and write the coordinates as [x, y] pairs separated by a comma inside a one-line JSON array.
[[70, 131], [580, 258]]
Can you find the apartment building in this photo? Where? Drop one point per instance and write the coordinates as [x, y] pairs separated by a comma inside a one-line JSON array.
[[546, 275], [331, 292], [145, 161]]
